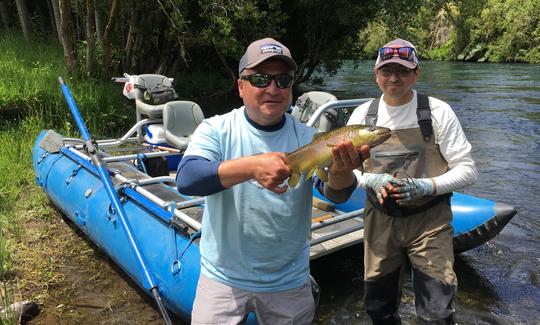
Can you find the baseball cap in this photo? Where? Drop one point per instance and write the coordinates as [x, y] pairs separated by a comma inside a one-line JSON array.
[[264, 49], [397, 51]]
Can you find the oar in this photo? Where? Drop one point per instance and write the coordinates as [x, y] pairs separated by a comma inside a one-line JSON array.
[[91, 150]]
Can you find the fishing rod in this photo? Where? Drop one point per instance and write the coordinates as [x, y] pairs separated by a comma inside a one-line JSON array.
[[91, 150]]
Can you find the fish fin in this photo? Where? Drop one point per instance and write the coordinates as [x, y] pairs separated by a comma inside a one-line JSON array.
[[293, 179], [317, 135], [310, 173], [322, 174]]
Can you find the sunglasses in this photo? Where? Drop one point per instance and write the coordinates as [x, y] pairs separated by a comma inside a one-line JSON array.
[[262, 80], [404, 53], [401, 71]]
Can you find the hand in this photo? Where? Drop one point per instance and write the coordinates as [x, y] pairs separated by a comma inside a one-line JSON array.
[[271, 170], [345, 159], [411, 190], [382, 184]]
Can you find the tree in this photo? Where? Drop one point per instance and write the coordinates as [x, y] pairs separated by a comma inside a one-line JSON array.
[[57, 19], [68, 36], [24, 17], [106, 56], [321, 33], [90, 20], [4, 14]]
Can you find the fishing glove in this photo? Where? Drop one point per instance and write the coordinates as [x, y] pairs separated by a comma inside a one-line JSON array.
[[376, 182], [410, 190]]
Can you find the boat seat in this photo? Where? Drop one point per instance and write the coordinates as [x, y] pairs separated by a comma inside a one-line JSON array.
[[308, 103], [152, 92], [180, 119]]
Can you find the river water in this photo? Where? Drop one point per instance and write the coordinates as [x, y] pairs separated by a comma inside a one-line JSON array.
[[499, 108]]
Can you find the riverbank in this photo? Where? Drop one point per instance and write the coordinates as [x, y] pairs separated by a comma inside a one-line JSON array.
[[72, 280]]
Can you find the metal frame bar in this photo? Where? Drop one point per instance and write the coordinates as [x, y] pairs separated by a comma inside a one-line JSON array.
[[335, 104], [336, 234], [338, 219]]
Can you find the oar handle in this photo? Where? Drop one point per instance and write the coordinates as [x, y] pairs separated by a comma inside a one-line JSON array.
[[91, 150]]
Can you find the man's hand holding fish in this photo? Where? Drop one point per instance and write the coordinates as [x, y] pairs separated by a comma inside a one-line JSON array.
[[345, 159]]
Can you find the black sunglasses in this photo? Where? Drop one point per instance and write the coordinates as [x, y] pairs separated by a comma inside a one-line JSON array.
[[262, 80]]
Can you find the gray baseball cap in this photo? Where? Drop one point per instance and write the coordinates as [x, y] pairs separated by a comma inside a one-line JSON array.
[[262, 50], [410, 62]]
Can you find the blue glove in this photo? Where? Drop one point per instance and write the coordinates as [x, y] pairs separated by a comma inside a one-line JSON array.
[[411, 190], [380, 183]]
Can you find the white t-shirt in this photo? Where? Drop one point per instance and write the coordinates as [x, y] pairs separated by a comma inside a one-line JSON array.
[[448, 135]]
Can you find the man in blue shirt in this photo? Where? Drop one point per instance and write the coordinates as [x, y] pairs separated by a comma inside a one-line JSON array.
[[255, 230]]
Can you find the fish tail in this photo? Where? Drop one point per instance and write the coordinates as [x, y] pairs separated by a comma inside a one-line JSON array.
[[293, 179]]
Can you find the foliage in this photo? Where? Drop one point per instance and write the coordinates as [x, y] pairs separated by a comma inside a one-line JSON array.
[[182, 37], [484, 30], [29, 87], [321, 33], [425, 24], [508, 30]]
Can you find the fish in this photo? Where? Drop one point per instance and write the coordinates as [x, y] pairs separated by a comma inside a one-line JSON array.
[[312, 158]]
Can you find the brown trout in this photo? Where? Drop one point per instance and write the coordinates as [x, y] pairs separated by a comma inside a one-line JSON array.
[[316, 155]]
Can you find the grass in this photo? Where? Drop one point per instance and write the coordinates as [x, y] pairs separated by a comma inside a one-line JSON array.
[[29, 87]]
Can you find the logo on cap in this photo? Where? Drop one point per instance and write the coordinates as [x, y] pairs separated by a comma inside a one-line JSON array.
[[271, 48]]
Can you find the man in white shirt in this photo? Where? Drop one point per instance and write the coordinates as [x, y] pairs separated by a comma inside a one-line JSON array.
[[409, 180]]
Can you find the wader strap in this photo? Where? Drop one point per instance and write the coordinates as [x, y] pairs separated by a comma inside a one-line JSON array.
[[371, 117], [423, 111], [391, 208]]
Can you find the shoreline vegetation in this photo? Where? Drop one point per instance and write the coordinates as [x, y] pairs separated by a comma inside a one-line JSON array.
[[33, 252]]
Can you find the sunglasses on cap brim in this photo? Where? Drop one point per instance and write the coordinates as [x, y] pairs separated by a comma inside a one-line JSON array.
[[404, 53]]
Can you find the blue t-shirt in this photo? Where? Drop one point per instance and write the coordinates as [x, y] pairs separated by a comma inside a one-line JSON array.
[[252, 238]]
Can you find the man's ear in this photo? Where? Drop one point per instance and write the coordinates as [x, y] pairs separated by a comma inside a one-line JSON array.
[[240, 85]]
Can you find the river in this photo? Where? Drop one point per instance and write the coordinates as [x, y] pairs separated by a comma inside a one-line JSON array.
[[499, 108]]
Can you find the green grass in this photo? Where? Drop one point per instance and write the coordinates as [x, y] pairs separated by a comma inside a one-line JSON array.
[[29, 87]]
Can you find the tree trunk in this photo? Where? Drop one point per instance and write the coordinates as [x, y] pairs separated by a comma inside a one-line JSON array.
[[24, 16], [4, 14], [130, 41], [57, 19], [135, 59], [66, 32], [99, 28], [51, 26], [90, 37], [107, 43]]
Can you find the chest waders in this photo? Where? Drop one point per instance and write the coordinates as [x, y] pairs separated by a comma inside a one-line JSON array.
[[421, 233]]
